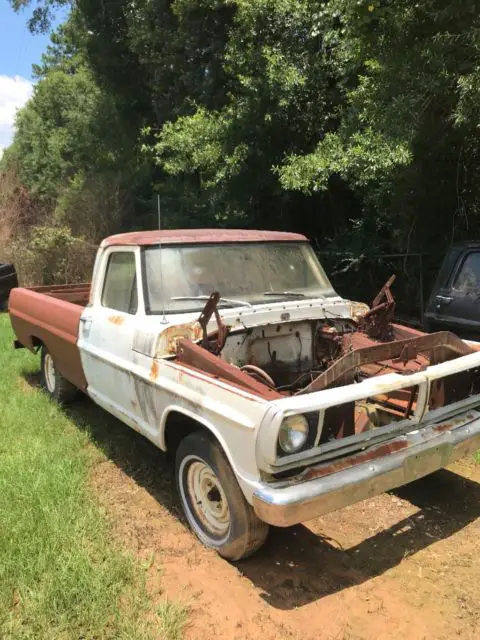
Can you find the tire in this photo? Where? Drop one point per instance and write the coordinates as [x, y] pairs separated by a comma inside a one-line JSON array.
[[227, 523], [58, 387]]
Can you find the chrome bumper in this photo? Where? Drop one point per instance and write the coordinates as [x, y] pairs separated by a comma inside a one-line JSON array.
[[426, 450]]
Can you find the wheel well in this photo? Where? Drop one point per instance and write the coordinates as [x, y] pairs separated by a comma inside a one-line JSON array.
[[36, 342], [177, 427]]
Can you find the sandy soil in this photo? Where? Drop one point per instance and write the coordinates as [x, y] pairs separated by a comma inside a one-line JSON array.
[[402, 565]]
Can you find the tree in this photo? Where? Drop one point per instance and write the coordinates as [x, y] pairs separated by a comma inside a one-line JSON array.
[[354, 121], [408, 140], [71, 148]]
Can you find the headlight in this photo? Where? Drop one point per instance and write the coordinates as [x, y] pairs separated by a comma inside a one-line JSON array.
[[293, 433]]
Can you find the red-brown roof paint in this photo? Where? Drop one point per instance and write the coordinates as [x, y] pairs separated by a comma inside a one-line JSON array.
[[197, 236]]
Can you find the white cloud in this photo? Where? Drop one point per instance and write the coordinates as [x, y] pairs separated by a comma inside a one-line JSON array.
[[14, 93]]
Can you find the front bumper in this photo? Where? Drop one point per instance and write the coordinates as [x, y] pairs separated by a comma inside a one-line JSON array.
[[420, 452]]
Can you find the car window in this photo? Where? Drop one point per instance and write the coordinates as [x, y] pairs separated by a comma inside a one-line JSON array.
[[120, 287], [467, 279]]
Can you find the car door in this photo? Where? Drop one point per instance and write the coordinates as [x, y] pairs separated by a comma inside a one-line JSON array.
[[106, 335], [457, 305]]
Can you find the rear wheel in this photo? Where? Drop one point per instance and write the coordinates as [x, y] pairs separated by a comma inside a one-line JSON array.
[[58, 387], [212, 500]]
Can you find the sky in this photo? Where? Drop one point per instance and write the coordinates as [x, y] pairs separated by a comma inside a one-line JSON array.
[[19, 49]]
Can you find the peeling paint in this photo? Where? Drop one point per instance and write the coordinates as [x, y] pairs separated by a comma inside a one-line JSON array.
[[167, 343], [154, 370]]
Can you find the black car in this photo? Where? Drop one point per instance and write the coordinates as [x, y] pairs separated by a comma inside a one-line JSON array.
[[8, 280], [454, 303]]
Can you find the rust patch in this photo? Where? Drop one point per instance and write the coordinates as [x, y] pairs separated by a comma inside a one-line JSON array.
[[117, 320], [154, 370], [211, 309], [170, 337], [444, 427], [340, 465], [134, 404], [342, 370], [377, 322], [195, 356], [451, 425]]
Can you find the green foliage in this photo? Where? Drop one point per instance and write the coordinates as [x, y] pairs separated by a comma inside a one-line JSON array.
[[271, 92], [58, 131], [356, 122], [71, 149], [173, 618], [51, 255], [367, 158]]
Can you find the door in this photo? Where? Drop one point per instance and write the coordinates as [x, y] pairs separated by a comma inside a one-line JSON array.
[[106, 334], [457, 305]]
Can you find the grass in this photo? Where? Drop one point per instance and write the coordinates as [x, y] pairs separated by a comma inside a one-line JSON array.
[[173, 618], [61, 575]]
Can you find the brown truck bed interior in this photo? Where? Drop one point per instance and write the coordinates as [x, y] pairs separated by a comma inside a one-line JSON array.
[[75, 293]]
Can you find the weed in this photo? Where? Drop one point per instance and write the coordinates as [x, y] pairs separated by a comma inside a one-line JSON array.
[[173, 618]]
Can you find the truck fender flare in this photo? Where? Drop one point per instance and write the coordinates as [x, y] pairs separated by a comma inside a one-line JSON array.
[[203, 422]]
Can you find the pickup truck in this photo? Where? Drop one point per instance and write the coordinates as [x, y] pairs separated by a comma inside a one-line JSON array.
[[454, 303], [278, 400]]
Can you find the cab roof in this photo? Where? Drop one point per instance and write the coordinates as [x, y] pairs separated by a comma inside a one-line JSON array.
[[200, 236]]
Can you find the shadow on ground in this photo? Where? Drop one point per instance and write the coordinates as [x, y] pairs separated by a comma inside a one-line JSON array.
[[297, 566]]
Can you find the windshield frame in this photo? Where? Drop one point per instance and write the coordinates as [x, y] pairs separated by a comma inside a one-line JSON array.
[[330, 292]]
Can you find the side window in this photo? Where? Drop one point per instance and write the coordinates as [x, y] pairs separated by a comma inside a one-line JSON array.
[[120, 286], [467, 279]]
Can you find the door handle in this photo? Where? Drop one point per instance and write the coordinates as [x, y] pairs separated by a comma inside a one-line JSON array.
[[86, 323], [444, 299]]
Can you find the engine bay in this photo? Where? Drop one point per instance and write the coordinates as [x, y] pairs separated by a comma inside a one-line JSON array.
[[290, 358]]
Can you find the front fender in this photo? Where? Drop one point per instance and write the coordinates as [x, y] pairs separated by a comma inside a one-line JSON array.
[[246, 474]]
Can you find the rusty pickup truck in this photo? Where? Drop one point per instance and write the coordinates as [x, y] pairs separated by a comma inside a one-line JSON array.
[[278, 400]]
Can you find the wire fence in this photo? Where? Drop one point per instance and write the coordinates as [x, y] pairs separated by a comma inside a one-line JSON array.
[[361, 277]]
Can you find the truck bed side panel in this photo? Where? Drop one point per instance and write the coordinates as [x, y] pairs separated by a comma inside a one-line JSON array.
[[55, 323], [77, 293]]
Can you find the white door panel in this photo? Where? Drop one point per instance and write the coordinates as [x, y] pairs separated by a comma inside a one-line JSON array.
[[106, 332]]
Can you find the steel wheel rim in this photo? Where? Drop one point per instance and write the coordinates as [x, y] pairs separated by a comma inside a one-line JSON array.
[[208, 500], [49, 369]]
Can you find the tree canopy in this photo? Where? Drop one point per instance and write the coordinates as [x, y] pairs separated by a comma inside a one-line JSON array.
[[356, 122]]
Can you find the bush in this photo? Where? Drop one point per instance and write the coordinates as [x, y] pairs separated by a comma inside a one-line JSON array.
[[52, 255], [43, 250]]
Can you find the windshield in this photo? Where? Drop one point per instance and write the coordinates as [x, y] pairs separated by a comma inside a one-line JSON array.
[[246, 273]]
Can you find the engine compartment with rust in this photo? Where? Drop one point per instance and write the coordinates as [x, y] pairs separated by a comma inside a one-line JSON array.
[[290, 358]]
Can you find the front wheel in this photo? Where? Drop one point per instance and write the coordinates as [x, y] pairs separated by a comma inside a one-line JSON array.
[[58, 387], [212, 500]]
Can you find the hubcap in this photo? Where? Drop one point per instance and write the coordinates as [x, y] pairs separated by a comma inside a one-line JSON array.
[[208, 498], [49, 368]]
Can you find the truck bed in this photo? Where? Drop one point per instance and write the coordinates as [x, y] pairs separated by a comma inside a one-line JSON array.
[[75, 293], [49, 316]]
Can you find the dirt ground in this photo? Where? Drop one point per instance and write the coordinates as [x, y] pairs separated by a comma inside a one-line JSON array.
[[402, 565]]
